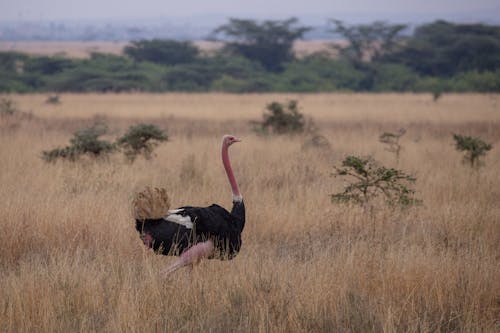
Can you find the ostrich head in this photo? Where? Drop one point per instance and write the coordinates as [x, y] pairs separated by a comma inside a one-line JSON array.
[[228, 140]]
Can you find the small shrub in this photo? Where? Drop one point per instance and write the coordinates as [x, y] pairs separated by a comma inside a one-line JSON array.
[[369, 180], [473, 148], [392, 141], [281, 119], [141, 139], [53, 99], [316, 141], [84, 142], [7, 107], [436, 94]]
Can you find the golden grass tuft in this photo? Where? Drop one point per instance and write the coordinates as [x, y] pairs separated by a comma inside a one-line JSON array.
[[150, 203]]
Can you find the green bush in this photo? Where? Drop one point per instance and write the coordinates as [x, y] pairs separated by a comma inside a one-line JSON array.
[[369, 180], [141, 140], [281, 119], [472, 147], [85, 142], [444, 49]]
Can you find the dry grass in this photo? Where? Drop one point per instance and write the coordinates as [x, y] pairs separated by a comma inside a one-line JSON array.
[[71, 261]]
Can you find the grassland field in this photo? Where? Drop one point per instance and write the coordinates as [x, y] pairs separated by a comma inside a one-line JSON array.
[[71, 261]]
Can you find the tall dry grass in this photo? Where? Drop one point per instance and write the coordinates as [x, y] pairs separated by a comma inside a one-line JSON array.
[[71, 261]]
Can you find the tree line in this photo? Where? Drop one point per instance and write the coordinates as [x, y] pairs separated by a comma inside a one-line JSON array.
[[258, 57]]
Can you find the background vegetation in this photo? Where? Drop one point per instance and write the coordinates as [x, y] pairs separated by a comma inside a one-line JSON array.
[[71, 261], [258, 57]]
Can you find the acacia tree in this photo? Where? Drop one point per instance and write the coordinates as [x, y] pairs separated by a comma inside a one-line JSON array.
[[367, 41], [472, 147], [269, 43], [369, 180], [443, 49], [367, 44], [141, 139]]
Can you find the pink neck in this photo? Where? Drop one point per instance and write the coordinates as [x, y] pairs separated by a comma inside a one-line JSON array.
[[229, 172]]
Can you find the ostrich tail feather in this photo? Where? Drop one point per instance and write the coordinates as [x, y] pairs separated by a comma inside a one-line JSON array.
[[151, 203]]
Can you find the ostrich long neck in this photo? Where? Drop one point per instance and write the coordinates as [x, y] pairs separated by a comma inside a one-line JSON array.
[[230, 175]]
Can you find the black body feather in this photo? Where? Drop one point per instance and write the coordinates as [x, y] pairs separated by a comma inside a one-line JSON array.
[[213, 222]]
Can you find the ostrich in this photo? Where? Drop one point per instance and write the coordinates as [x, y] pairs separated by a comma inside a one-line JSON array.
[[194, 233]]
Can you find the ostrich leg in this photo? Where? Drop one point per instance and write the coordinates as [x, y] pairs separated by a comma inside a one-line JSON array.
[[191, 257]]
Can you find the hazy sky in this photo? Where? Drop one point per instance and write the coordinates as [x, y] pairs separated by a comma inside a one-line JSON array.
[[392, 10]]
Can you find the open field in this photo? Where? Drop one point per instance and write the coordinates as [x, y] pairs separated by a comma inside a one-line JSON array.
[[71, 260], [80, 49]]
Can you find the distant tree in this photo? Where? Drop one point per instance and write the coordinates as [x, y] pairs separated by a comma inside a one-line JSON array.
[[269, 43], [366, 44], [367, 41], [10, 61], [165, 52], [472, 147], [48, 65], [445, 49]]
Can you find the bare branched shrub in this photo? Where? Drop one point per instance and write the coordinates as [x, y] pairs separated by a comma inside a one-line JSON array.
[[473, 148], [369, 180], [141, 140], [84, 142], [392, 141], [281, 118]]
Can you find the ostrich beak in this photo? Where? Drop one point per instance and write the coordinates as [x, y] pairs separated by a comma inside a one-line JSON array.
[[237, 140]]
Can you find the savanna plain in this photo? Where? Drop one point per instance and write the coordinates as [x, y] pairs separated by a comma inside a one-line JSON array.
[[71, 260]]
